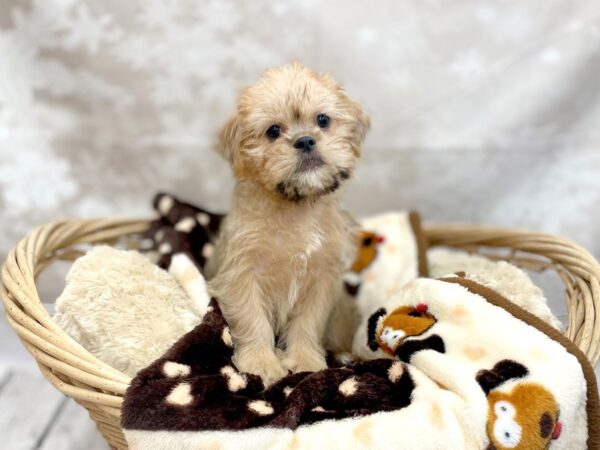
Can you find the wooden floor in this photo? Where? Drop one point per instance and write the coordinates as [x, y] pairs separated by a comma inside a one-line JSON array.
[[33, 414]]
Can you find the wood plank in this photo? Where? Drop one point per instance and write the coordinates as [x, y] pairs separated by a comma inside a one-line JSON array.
[[72, 429], [28, 402]]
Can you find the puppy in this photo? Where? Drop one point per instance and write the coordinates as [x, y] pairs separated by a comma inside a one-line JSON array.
[[292, 143]]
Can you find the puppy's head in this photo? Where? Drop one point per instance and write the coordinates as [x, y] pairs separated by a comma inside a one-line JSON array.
[[296, 133]]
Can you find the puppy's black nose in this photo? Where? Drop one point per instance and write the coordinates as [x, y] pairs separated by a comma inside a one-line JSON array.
[[305, 144]]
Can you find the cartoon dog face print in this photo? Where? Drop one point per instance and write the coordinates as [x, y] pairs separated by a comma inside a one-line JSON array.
[[389, 331], [367, 250], [524, 418]]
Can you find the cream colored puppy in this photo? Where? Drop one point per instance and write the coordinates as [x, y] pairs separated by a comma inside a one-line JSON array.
[[292, 143]]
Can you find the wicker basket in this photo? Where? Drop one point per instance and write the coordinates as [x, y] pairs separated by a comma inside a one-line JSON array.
[[100, 388]]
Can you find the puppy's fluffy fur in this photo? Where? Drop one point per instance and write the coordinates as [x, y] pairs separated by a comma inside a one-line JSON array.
[[278, 262]]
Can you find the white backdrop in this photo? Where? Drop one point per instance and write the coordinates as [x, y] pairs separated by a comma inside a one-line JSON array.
[[482, 111]]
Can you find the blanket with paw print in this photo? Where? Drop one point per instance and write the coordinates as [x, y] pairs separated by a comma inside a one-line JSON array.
[[447, 363]]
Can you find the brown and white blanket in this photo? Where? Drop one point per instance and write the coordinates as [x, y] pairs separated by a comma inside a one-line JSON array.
[[458, 366]]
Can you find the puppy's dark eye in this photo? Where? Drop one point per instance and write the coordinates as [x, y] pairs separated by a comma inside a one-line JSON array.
[[273, 131], [323, 120]]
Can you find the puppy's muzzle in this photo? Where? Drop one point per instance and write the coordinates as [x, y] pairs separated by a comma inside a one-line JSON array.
[[305, 144]]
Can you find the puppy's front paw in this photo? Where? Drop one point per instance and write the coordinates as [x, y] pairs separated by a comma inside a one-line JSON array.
[[304, 361], [262, 363]]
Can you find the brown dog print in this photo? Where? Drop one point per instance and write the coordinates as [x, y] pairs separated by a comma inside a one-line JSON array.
[[388, 331], [366, 252], [524, 418]]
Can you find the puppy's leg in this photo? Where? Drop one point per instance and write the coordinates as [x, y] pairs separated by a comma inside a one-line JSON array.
[[242, 307], [304, 333]]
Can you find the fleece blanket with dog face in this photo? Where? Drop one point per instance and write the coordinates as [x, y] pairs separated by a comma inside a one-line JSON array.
[[456, 365], [466, 369]]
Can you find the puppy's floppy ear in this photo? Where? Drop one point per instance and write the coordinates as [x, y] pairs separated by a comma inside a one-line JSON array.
[[361, 119], [229, 138], [363, 123]]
